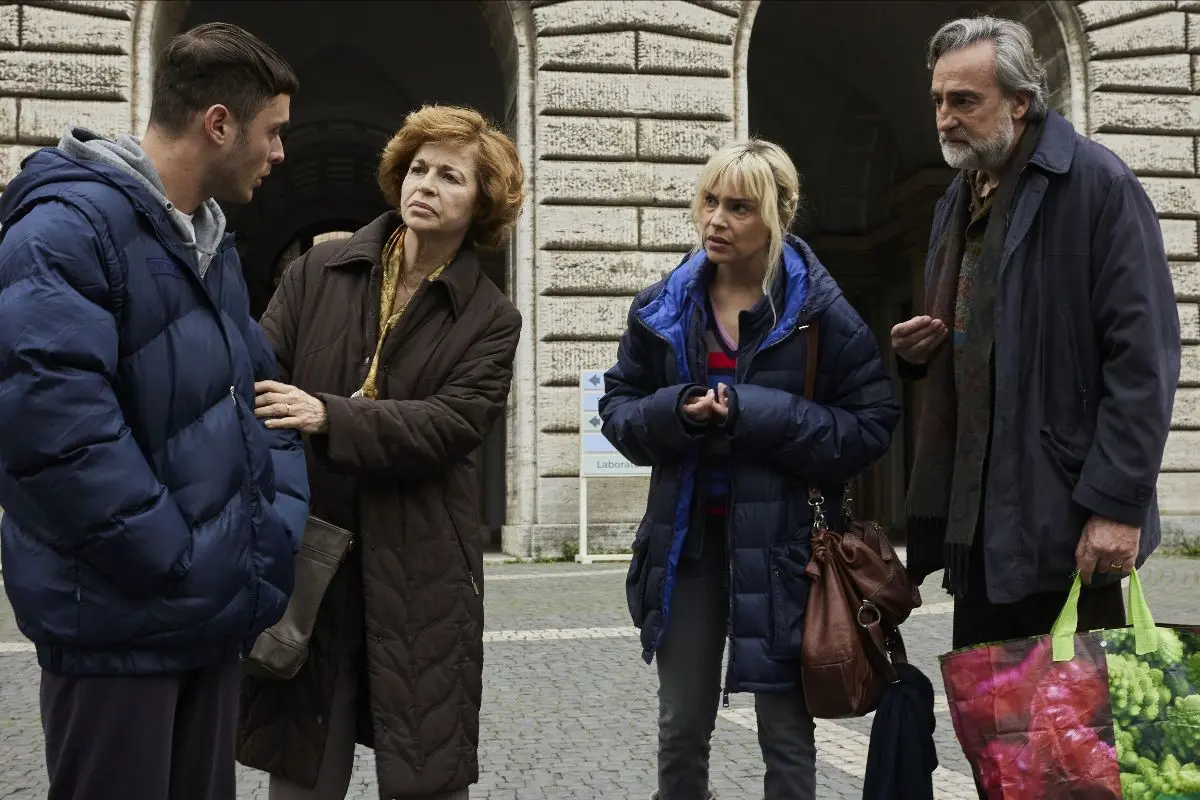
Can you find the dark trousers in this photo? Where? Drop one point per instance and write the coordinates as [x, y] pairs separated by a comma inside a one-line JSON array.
[[689, 689], [167, 737], [979, 621]]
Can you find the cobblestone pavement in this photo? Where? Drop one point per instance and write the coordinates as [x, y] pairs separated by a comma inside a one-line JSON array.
[[569, 706]]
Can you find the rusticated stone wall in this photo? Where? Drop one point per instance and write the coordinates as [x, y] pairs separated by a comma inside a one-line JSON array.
[[64, 62]]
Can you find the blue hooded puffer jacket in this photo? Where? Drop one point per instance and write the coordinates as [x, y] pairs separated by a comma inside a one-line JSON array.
[[779, 443], [150, 520]]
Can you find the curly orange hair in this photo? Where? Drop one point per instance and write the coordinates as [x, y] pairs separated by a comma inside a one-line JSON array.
[[500, 174]]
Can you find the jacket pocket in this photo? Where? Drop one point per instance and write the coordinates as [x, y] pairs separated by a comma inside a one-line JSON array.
[[1067, 394], [789, 598], [462, 547], [638, 575], [1066, 461]]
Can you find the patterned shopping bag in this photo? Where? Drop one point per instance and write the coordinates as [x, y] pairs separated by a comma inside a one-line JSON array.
[[1104, 714]]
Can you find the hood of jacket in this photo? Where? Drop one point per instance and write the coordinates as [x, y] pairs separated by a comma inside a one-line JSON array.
[[83, 156]]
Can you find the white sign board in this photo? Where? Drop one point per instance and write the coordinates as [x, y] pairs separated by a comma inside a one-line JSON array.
[[597, 457]]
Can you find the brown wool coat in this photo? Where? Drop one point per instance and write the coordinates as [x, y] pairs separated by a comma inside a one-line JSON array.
[[400, 472]]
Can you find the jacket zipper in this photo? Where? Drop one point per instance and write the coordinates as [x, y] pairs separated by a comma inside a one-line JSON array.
[[670, 349], [240, 408], [462, 547], [1075, 360], [740, 372]]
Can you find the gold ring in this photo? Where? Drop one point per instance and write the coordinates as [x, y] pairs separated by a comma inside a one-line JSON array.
[[1118, 564], [287, 409]]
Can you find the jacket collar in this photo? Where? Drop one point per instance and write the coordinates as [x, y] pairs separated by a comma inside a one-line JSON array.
[[1056, 149], [803, 290], [364, 250]]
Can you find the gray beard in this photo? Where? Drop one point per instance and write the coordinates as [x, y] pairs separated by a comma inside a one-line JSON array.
[[989, 154]]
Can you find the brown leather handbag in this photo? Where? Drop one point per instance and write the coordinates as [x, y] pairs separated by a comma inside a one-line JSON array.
[[859, 597]]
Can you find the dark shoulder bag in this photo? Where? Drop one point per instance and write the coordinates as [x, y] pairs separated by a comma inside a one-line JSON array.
[[860, 595], [281, 650]]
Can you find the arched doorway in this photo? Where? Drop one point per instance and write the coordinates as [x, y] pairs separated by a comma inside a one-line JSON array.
[[362, 67], [859, 127]]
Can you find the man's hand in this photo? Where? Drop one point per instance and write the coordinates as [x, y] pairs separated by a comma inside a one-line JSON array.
[[284, 406], [1106, 546], [918, 339], [703, 407]]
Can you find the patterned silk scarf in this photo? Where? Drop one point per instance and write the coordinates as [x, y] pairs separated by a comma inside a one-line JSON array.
[[393, 267]]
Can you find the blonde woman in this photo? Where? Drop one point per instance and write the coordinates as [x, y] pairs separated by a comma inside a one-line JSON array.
[[708, 390]]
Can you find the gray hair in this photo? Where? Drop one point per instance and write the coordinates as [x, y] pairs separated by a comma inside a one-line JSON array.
[[1018, 68]]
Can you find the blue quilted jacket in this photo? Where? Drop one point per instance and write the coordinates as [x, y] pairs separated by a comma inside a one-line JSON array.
[[779, 442], [150, 520]]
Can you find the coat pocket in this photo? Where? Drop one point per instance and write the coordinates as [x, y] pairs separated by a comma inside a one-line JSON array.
[[639, 572], [462, 548], [1067, 462], [789, 598]]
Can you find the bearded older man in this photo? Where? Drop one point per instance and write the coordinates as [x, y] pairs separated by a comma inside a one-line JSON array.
[[1050, 353]]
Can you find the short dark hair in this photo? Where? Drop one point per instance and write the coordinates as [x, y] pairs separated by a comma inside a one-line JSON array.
[[216, 63]]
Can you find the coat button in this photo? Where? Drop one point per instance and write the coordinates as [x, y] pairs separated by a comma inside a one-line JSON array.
[[321, 720]]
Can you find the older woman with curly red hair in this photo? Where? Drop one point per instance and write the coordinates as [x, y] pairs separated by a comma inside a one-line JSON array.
[[395, 358]]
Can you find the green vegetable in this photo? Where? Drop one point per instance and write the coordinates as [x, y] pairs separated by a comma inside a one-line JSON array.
[[1126, 747], [1178, 780], [1170, 646], [1181, 730], [1138, 694], [1170, 779], [1192, 666], [1176, 680], [1135, 787]]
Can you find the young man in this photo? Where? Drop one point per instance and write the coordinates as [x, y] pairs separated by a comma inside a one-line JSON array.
[[150, 520], [1050, 353]]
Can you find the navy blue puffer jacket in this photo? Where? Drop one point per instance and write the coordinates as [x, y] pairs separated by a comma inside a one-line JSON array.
[[779, 442], [150, 520]]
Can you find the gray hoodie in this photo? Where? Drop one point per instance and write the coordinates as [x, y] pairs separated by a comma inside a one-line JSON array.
[[201, 234]]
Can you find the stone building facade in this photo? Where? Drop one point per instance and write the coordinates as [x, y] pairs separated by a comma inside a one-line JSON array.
[[615, 104]]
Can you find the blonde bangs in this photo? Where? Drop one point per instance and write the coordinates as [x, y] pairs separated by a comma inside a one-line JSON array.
[[760, 172]]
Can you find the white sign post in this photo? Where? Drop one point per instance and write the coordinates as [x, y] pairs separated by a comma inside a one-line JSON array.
[[597, 457]]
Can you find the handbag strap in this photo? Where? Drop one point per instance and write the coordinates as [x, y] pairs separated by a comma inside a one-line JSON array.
[[815, 499]]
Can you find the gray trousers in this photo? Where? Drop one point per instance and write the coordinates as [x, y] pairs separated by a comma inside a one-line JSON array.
[[337, 764], [163, 737], [689, 678]]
